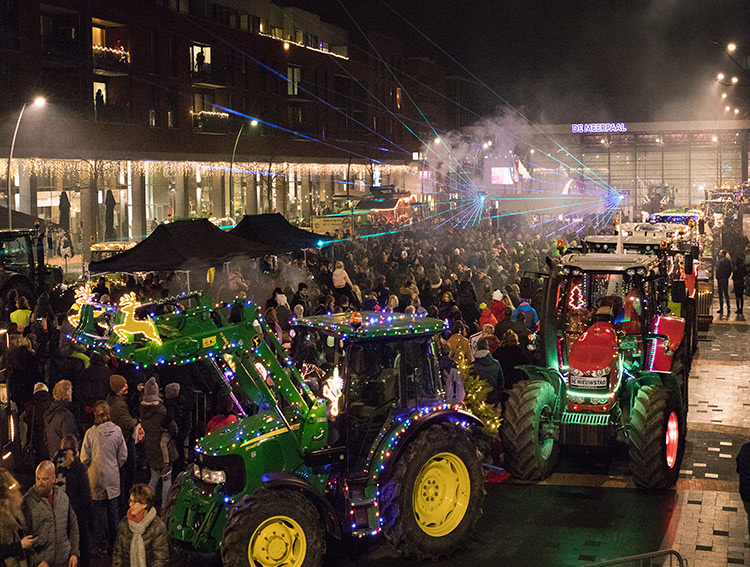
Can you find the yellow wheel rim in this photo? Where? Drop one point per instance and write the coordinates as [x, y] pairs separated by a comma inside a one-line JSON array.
[[441, 494], [278, 542]]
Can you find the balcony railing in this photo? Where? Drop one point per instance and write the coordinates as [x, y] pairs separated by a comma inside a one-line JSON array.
[[111, 59], [208, 74], [210, 122], [61, 49]]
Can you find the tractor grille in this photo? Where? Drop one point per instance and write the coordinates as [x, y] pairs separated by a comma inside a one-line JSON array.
[[588, 429]]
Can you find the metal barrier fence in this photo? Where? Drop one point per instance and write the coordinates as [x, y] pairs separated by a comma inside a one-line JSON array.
[[666, 558]]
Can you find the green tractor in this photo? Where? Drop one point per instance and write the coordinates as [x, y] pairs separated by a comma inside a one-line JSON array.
[[615, 368], [352, 435], [22, 265]]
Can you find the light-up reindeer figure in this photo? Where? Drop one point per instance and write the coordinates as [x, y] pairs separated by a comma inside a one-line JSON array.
[[83, 296], [130, 326]]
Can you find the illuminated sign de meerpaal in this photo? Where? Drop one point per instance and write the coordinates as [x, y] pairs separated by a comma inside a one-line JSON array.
[[598, 127]]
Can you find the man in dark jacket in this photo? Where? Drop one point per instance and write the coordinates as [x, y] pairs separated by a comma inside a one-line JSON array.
[[51, 519], [59, 420], [743, 469], [723, 273], [489, 370], [34, 418], [301, 298], [120, 416]]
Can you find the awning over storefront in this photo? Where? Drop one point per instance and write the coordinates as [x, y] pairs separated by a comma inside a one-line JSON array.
[[181, 245], [275, 232], [22, 220]]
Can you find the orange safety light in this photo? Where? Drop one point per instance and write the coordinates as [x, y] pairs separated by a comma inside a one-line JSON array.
[[663, 244]]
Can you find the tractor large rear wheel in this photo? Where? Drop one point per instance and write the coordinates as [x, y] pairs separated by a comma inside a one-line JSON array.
[[530, 430], [274, 528], [435, 495], [657, 434]]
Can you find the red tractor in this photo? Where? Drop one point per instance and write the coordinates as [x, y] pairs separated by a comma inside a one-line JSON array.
[[615, 368]]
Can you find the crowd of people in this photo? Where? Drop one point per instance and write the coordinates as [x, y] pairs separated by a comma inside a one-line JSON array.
[[107, 438]]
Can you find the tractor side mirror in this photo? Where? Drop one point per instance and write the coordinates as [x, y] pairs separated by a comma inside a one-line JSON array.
[[527, 287], [679, 292], [688, 264]]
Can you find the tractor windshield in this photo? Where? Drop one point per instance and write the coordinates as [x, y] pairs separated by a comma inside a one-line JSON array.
[[15, 252], [591, 297]]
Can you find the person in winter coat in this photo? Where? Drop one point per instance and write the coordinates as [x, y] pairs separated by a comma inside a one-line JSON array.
[[488, 369], [13, 543], [49, 517], [153, 413], [459, 344], [225, 414], [488, 332], [120, 415], [454, 387], [511, 354], [487, 317], [34, 419], [21, 367], [738, 280], [743, 470], [92, 387], [529, 313], [72, 477], [498, 305], [104, 452], [142, 536], [723, 273], [59, 420]]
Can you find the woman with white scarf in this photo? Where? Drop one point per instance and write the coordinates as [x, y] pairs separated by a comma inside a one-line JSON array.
[[142, 536]]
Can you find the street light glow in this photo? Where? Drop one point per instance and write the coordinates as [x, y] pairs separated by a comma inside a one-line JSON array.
[[734, 80], [731, 47], [40, 101], [727, 108], [723, 95], [720, 77], [714, 139], [736, 110], [253, 123]]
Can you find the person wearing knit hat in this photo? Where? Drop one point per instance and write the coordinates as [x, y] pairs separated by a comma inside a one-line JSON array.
[[151, 393], [40, 387], [117, 383], [160, 448]]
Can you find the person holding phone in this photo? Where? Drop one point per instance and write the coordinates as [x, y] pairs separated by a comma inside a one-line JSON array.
[[13, 544]]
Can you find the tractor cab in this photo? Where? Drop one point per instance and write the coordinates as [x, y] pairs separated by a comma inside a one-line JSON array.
[[371, 367]]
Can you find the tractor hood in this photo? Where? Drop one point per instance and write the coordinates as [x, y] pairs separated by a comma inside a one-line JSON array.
[[595, 349], [244, 433]]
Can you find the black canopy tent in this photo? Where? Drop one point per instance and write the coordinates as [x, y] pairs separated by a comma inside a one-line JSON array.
[[180, 245], [275, 232], [22, 220]]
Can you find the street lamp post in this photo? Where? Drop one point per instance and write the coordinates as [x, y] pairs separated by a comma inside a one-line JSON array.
[[39, 101], [253, 122]]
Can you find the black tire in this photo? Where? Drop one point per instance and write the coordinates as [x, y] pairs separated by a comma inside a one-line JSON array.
[[254, 509], [529, 430], [400, 519], [649, 417]]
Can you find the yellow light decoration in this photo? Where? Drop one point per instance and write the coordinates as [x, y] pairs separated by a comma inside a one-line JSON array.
[[332, 391], [131, 326], [83, 295]]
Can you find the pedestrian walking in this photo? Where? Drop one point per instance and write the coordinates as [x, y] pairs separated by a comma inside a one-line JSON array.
[[160, 451], [121, 416], [723, 273], [50, 518], [738, 281], [104, 452]]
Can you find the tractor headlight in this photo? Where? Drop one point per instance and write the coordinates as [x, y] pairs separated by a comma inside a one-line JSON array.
[[209, 476], [576, 399]]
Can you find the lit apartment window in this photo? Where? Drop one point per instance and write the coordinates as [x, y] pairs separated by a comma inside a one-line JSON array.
[[398, 98], [294, 76]]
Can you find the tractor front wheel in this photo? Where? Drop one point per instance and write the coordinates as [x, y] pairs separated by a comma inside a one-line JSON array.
[[273, 528], [657, 437], [530, 430], [435, 495]]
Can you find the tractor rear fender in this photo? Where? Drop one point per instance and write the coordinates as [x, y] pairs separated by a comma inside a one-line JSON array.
[[388, 452], [553, 377], [278, 480]]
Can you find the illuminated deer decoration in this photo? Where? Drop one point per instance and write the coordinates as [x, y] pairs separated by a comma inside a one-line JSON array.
[[83, 296], [129, 326]]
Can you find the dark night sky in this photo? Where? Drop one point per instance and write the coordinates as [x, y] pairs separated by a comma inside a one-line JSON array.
[[565, 61]]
